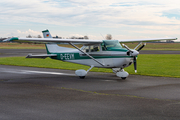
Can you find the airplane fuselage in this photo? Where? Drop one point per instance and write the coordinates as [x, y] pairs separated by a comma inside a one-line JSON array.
[[112, 58], [112, 61]]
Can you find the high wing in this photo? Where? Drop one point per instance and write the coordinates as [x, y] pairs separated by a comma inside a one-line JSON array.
[[52, 40], [147, 39]]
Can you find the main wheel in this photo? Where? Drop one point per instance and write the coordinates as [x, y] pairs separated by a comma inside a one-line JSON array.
[[82, 77], [123, 78]]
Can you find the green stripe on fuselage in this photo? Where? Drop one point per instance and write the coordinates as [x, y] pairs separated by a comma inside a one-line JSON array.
[[117, 49], [77, 56]]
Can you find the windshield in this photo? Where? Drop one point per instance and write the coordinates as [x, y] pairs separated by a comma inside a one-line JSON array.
[[111, 44]]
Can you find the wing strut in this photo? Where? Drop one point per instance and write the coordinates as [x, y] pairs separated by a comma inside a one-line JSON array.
[[86, 54]]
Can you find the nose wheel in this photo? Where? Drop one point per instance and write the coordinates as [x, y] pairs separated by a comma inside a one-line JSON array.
[[120, 73]]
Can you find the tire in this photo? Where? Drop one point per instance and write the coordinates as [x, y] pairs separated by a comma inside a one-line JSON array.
[[82, 77], [123, 78]]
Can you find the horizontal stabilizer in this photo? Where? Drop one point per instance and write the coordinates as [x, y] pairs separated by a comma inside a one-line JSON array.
[[41, 56]]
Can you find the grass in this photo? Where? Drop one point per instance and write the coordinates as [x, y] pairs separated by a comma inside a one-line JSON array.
[[158, 65], [151, 65], [149, 46], [27, 46]]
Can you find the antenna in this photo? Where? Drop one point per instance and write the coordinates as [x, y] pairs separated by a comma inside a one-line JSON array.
[[102, 36]]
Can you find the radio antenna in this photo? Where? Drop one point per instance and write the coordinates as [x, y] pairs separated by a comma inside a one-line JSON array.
[[102, 36]]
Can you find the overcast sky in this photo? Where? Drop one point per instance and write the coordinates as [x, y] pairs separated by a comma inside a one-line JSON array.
[[123, 19]]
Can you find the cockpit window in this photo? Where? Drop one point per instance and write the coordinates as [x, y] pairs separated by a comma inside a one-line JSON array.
[[91, 48], [94, 48], [110, 44]]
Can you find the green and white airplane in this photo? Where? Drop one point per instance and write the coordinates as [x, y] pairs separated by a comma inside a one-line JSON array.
[[94, 53]]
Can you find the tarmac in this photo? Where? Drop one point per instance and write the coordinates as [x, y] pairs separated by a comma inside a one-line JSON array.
[[40, 93]]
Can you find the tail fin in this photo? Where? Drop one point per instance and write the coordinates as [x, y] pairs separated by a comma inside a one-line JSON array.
[[46, 34], [50, 48]]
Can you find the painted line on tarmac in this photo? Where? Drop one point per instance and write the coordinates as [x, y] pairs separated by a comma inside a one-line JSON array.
[[42, 72], [15, 71]]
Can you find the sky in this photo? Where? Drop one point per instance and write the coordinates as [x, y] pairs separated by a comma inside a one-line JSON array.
[[123, 19]]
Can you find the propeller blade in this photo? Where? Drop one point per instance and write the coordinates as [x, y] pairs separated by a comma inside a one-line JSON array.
[[135, 64], [130, 51], [126, 47], [138, 45], [141, 47]]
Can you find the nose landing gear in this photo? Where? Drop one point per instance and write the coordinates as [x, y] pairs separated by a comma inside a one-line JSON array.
[[120, 73]]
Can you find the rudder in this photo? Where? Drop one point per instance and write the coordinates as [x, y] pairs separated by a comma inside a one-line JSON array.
[[46, 34]]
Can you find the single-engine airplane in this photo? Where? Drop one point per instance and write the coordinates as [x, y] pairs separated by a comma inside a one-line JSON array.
[[94, 53]]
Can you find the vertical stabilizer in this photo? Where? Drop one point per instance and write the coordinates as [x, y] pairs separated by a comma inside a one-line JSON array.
[[46, 34]]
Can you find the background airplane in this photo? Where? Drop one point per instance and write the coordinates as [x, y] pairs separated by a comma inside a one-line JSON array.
[[93, 53]]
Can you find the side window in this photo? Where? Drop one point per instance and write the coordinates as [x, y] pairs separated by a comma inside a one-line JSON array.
[[85, 48], [94, 48]]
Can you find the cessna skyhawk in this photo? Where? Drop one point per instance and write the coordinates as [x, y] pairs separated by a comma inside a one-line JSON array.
[[94, 53]]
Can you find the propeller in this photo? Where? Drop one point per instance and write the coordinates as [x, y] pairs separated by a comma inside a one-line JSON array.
[[135, 64], [130, 51], [142, 47], [134, 53], [126, 47]]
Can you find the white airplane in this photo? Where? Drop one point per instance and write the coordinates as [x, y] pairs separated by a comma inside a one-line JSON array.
[[94, 53]]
